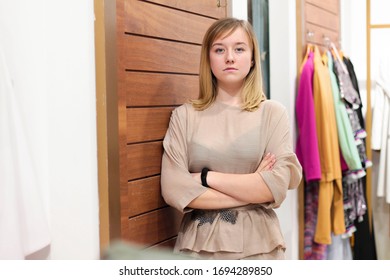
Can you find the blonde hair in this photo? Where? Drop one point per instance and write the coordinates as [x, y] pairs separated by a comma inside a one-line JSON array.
[[252, 93]]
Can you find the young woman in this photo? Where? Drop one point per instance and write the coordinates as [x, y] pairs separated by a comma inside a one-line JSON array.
[[228, 156]]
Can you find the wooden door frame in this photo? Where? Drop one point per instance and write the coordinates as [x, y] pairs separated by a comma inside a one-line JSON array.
[[107, 121]]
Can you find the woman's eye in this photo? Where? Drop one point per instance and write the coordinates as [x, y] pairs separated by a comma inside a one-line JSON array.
[[219, 50], [240, 50]]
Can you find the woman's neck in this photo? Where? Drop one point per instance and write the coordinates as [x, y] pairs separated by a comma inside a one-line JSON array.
[[231, 96]]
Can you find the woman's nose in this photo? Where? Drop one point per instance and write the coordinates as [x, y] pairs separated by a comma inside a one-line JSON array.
[[229, 57]]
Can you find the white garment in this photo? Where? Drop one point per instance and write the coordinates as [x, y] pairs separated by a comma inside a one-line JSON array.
[[377, 118], [381, 129], [23, 224], [339, 249]]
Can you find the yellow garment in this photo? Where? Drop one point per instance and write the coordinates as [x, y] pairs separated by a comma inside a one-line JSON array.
[[330, 201]]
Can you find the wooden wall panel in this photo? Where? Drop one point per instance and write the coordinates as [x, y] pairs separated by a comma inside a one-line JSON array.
[[202, 7], [170, 243], [332, 6], [153, 20], [146, 124], [163, 56], [321, 17], [159, 45], [317, 37], [160, 89], [154, 227], [319, 21], [144, 159], [144, 195]]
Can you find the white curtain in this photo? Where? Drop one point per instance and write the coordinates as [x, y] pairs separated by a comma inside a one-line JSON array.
[[23, 224]]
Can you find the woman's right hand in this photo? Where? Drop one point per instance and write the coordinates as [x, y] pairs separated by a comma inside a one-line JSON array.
[[267, 163]]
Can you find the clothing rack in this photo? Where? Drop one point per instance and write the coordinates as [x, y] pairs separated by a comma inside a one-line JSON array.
[[311, 28]]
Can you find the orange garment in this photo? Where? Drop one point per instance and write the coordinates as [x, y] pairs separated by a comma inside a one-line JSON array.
[[330, 202]]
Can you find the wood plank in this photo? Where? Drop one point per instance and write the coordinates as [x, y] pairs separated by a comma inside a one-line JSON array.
[[144, 195], [166, 245], [332, 6], [322, 18], [203, 7], [151, 228], [147, 54], [144, 159], [158, 21], [319, 33], [151, 89], [146, 124]]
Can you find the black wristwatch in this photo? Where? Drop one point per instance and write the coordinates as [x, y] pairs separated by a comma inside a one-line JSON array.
[[203, 177]]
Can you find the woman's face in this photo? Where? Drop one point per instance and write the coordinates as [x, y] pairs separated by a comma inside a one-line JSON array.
[[231, 58]]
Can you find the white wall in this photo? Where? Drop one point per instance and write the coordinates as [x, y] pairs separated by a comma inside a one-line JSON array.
[[240, 9], [283, 73], [49, 49]]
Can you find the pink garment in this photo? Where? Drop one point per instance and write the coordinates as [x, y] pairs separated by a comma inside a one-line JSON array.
[[307, 142], [344, 165]]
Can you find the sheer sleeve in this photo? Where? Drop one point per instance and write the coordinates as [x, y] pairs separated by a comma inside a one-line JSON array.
[[177, 185], [287, 171]]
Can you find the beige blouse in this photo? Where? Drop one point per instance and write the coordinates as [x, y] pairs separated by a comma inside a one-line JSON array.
[[228, 139]]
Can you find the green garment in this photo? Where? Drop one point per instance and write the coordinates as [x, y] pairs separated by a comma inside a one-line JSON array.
[[346, 137]]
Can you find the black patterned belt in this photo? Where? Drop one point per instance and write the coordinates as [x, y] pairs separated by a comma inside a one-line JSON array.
[[225, 215]]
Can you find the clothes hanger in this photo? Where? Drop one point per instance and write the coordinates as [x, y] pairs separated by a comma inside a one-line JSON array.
[[336, 53], [331, 46], [309, 45]]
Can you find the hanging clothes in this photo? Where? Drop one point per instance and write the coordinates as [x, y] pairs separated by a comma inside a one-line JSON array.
[[330, 206], [352, 75], [364, 237], [380, 129], [23, 223], [307, 142], [308, 155], [353, 199], [335, 206], [352, 103], [340, 249], [345, 133], [383, 91], [312, 249], [380, 118]]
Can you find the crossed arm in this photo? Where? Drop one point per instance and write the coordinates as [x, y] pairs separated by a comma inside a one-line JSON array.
[[233, 190]]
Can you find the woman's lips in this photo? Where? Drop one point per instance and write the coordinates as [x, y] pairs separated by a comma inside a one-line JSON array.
[[230, 69]]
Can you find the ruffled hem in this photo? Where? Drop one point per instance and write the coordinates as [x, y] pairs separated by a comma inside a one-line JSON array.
[[230, 233]]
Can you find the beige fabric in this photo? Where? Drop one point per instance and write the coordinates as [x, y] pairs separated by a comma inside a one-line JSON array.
[[228, 139], [276, 254]]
